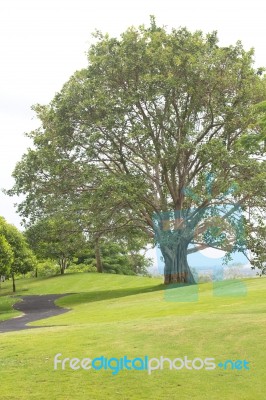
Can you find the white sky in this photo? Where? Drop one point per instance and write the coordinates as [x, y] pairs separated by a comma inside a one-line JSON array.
[[43, 42]]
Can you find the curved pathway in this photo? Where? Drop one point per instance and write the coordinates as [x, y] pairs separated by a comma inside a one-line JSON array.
[[33, 308]]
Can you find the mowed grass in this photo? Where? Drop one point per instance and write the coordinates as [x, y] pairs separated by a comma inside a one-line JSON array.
[[114, 316], [6, 307]]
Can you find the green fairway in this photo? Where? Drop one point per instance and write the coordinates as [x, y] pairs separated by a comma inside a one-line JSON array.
[[117, 316]]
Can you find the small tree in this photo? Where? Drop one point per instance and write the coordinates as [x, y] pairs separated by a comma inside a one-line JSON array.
[[6, 256], [22, 258], [57, 239]]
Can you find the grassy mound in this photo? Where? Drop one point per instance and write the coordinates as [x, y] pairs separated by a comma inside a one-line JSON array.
[[115, 316]]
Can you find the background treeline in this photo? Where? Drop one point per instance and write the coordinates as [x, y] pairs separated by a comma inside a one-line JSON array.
[[55, 246]]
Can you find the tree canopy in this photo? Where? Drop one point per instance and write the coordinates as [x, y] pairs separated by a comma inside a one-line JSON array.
[[160, 135], [6, 256], [57, 239]]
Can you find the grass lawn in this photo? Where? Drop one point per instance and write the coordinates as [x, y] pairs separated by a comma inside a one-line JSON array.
[[115, 316]]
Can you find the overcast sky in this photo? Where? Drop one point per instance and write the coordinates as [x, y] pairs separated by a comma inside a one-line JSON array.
[[43, 42]]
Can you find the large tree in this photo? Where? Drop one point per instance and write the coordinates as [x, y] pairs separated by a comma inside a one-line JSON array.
[[153, 135], [255, 216]]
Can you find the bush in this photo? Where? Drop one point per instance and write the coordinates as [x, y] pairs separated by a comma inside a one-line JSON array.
[[45, 268], [81, 268]]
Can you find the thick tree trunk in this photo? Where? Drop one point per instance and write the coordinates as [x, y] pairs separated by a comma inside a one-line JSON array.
[[176, 268], [13, 283], [99, 265]]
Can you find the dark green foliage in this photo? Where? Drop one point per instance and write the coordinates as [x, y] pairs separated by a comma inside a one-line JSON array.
[[116, 259]]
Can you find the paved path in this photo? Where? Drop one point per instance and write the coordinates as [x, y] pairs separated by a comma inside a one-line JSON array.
[[33, 308]]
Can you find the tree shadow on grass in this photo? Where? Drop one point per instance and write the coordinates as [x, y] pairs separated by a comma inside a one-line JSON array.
[[101, 295]]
